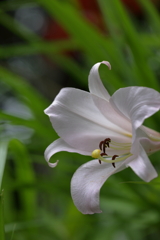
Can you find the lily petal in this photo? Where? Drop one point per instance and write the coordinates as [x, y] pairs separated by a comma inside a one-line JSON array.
[[151, 133], [96, 86], [87, 182], [113, 116], [150, 146], [78, 121], [142, 166], [58, 146], [136, 104]]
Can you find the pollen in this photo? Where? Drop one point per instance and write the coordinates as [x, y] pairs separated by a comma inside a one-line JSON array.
[[96, 153]]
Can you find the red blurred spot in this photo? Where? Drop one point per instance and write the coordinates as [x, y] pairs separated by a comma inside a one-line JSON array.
[[55, 31]]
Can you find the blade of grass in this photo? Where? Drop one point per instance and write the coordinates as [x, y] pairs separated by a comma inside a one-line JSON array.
[[24, 175], [151, 41], [2, 233], [76, 27], [15, 27], [125, 71], [92, 42], [34, 41], [40, 128], [10, 5], [30, 96], [40, 47], [67, 63], [152, 14], [138, 49], [3, 155]]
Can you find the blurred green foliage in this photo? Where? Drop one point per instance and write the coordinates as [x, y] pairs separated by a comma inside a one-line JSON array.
[[35, 199]]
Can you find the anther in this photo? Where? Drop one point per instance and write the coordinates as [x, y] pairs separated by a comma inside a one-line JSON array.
[[102, 154], [104, 147], [107, 141], [100, 145], [113, 158], [104, 144]]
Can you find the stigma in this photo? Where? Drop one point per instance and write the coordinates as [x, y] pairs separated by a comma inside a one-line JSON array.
[[96, 153]]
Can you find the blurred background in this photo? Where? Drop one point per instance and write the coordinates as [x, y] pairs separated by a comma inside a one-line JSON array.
[[49, 44]]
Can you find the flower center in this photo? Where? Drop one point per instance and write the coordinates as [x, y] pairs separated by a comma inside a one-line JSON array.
[[103, 156]]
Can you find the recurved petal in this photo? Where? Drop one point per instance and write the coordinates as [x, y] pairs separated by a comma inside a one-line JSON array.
[[136, 103], [152, 134], [150, 146], [87, 182], [78, 121], [96, 86], [58, 146], [148, 138], [142, 166]]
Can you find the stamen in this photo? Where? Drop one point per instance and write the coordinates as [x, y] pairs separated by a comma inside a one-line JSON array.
[[101, 154], [107, 141], [113, 158], [104, 147], [121, 148], [121, 144], [104, 154], [119, 159], [100, 145]]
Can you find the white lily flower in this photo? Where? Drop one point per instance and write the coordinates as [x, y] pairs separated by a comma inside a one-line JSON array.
[[108, 128]]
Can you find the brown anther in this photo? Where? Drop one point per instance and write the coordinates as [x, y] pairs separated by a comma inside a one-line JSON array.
[[113, 164], [107, 144], [100, 145], [113, 158], [104, 147], [102, 154], [107, 141]]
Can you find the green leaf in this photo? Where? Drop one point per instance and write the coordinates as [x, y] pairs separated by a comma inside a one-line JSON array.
[[30, 96], [152, 15], [86, 35], [139, 53], [40, 47], [25, 176], [2, 233], [3, 155]]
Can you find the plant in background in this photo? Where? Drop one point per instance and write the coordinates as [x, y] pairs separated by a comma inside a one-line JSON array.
[[36, 200], [108, 128]]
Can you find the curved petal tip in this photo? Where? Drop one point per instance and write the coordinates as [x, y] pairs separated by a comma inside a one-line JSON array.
[[107, 63], [52, 165]]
